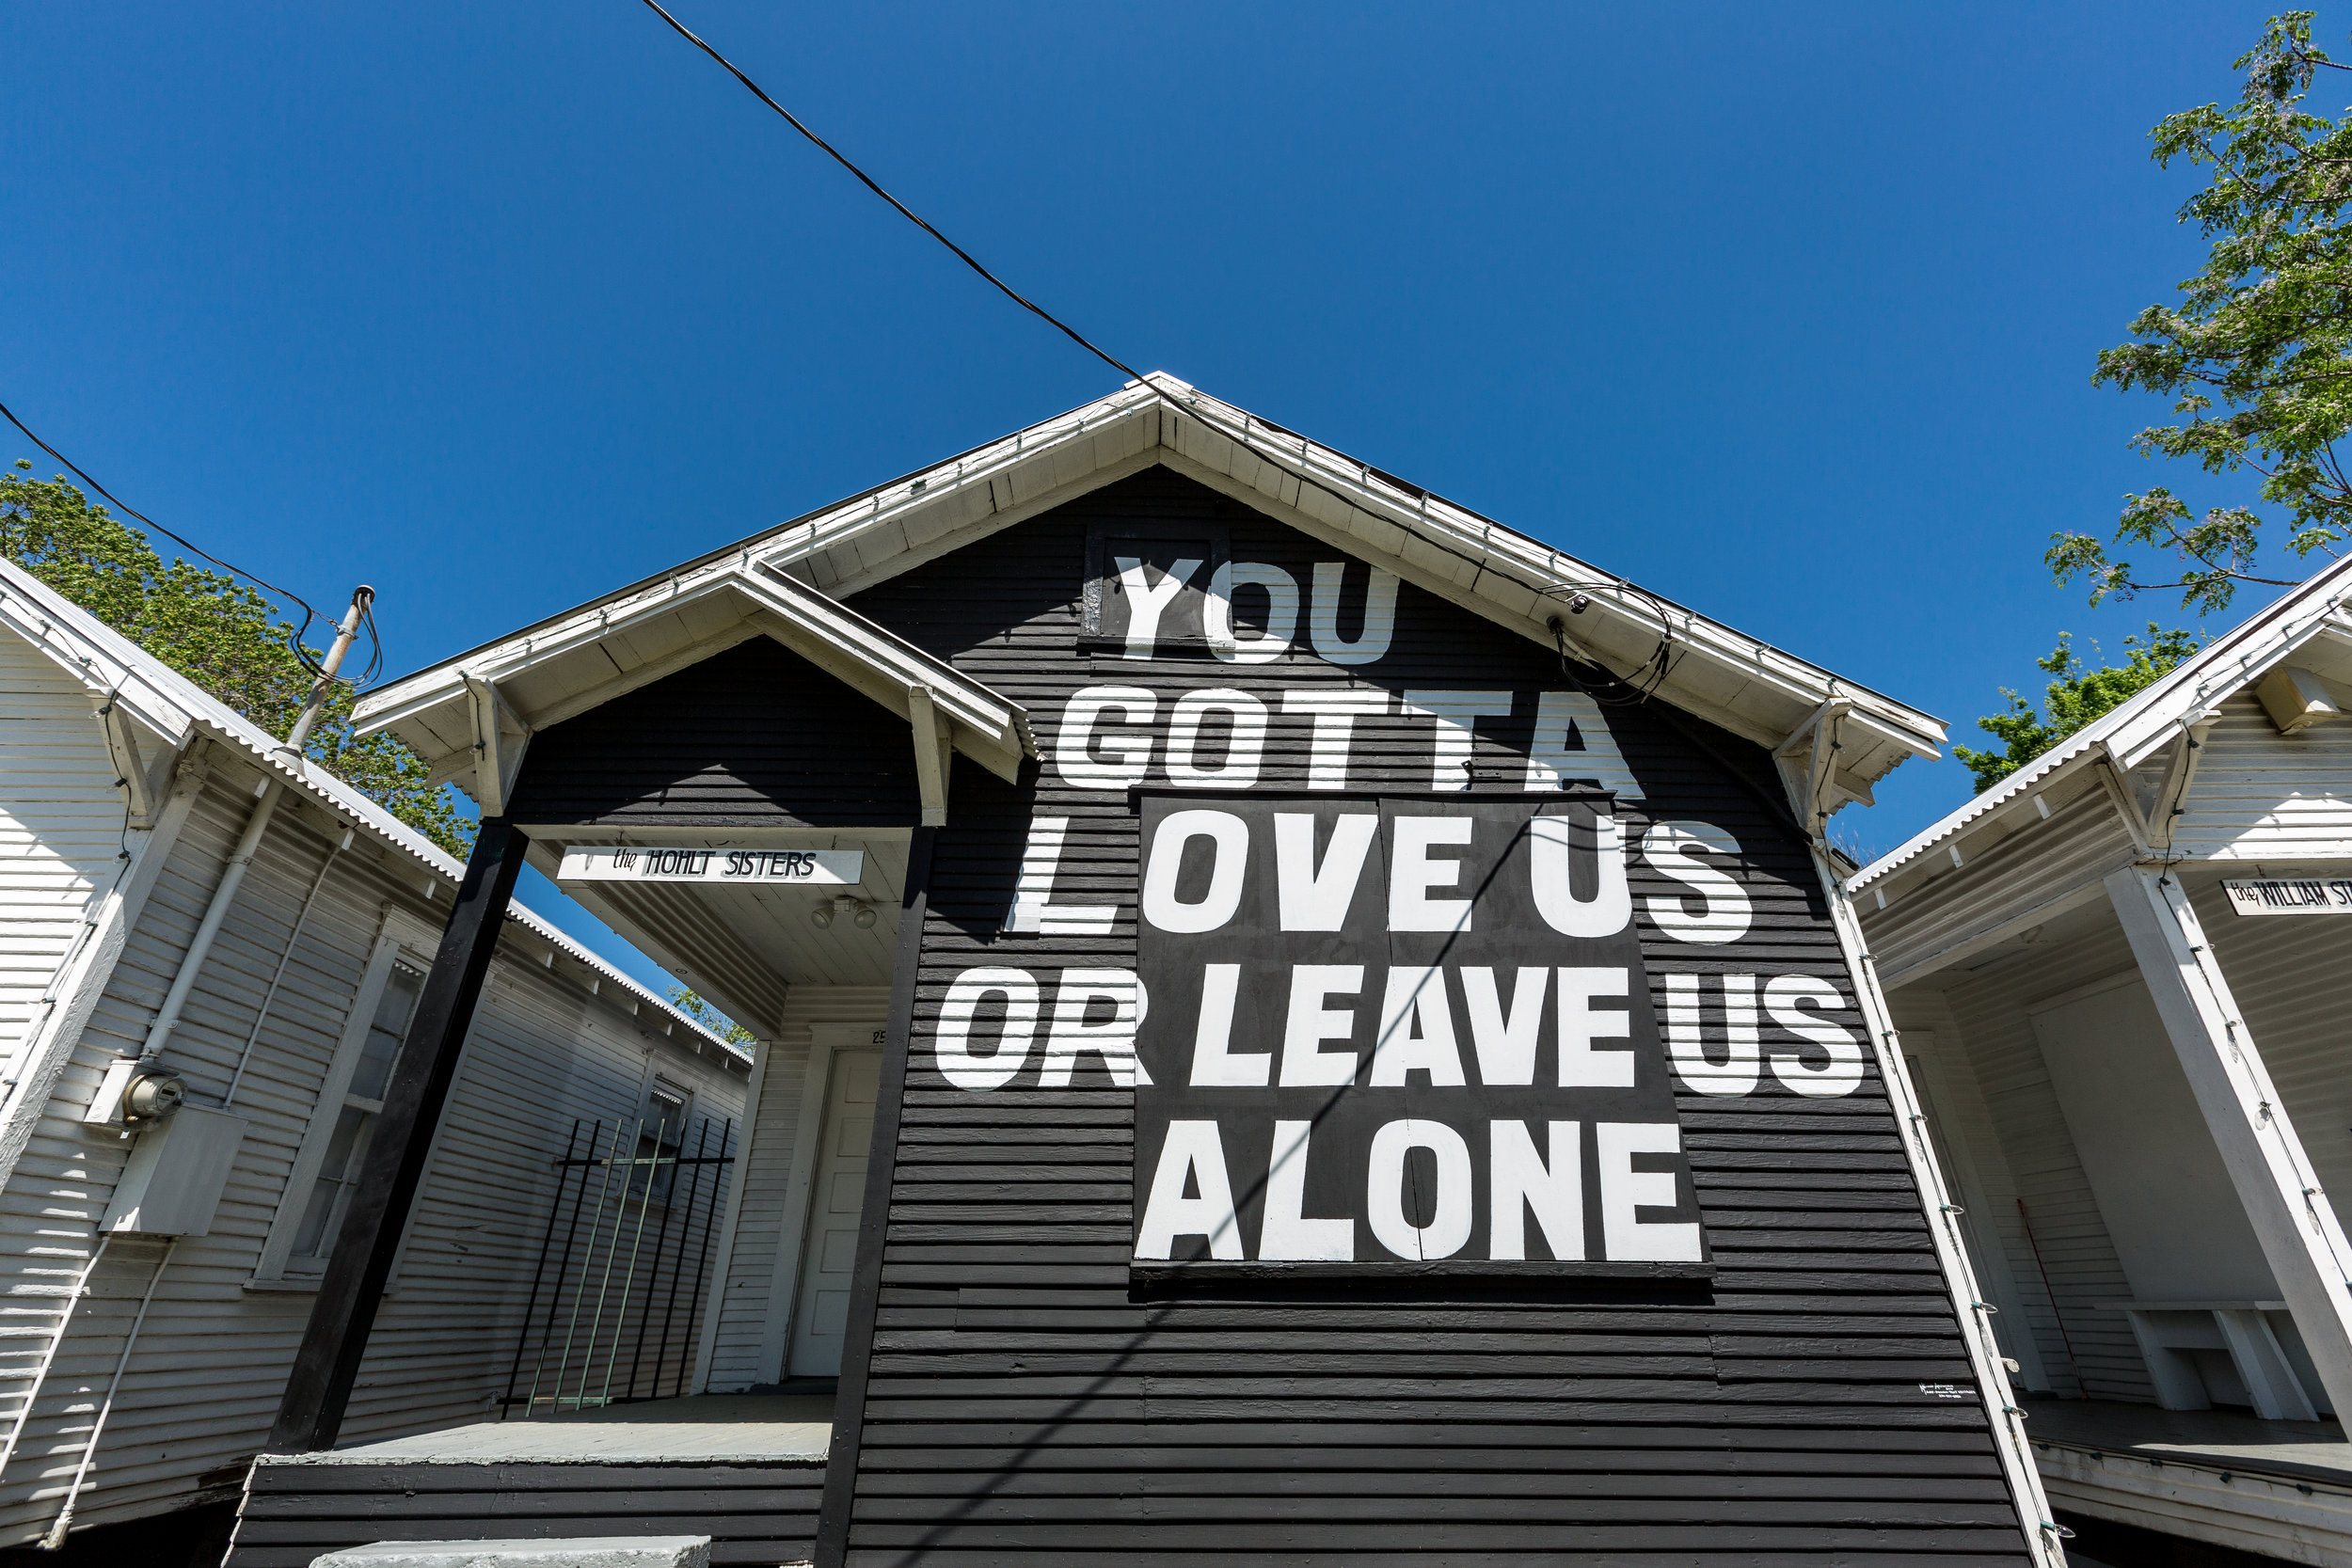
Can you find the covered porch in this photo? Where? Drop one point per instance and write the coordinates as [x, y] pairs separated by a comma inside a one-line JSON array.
[[743, 783]]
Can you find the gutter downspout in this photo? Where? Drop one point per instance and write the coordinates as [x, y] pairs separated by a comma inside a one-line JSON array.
[[241, 858]]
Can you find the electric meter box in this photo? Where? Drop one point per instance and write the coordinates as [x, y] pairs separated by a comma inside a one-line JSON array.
[[175, 1176]]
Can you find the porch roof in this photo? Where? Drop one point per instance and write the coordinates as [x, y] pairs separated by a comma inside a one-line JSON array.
[[2311, 621], [468, 716]]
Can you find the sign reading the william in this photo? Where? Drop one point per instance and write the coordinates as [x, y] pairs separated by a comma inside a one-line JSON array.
[[1400, 1033]]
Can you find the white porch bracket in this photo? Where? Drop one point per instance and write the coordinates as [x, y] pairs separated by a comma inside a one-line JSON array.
[[1808, 767], [2301, 1237], [934, 754], [500, 738], [122, 748]]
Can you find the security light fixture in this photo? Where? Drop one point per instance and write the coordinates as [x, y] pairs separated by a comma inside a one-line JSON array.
[[858, 911]]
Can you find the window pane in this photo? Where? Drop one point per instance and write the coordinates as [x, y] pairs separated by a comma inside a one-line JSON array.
[[390, 1025], [659, 1138], [337, 1171]]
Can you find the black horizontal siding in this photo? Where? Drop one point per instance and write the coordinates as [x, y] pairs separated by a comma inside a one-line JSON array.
[[754, 1513], [1023, 1409], [753, 736]]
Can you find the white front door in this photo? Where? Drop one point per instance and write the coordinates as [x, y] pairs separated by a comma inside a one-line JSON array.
[[837, 1192]]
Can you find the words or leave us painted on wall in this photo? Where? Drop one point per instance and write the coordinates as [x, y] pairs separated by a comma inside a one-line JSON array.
[[1400, 1032]]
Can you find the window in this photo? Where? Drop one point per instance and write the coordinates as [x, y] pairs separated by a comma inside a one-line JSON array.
[[332, 1156], [661, 1135], [1146, 590], [362, 1102]]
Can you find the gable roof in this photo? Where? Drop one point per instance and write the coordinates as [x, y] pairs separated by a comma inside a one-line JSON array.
[[452, 714], [2192, 692], [171, 711], [661, 624]]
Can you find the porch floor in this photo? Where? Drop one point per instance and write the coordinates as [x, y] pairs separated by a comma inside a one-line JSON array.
[[700, 1429], [2215, 1439]]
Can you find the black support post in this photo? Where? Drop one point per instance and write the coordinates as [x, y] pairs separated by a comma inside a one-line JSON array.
[[312, 1412], [857, 1341]]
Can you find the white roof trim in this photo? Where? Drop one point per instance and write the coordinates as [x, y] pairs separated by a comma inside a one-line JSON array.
[[176, 710], [2137, 730], [1720, 674], [733, 597]]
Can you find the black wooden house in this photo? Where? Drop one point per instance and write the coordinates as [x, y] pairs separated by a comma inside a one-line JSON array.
[[1373, 1064]]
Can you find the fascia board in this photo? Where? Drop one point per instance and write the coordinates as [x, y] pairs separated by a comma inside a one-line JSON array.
[[1378, 518], [496, 661], [92, 654], [1504, 559], [1469, 559], [172, 707], [2143, 734], [990, 729], [1738, 719], [836, 625]]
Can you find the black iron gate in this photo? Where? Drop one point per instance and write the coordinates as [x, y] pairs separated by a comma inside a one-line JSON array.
[[618, 1296]]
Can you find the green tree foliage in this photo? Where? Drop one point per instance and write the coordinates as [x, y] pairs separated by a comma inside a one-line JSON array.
[[710, 1018], [227, 638], [2077, 696], [2258, 352]]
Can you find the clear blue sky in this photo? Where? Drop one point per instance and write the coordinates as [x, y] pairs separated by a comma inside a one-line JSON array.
[[1787, 312]]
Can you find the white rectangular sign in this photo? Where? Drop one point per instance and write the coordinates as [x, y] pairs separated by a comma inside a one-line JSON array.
[[722, 864], [2292, 896]]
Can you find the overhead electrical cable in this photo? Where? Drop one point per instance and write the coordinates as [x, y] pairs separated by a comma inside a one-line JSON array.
[[309, 615], [908, 213], [1642, 685]]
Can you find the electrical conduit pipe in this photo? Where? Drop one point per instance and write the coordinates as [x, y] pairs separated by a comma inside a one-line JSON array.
[[241, 858]]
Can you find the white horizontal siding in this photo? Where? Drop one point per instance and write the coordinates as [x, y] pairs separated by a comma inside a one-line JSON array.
[[210, 1365], [2260, 794], [746, 1303], [61, 826]]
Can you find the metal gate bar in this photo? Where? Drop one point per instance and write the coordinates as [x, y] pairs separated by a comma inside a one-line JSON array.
[[608, 1183]]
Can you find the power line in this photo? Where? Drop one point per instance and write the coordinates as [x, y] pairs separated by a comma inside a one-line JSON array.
[[1653, 671], [309, 615], [908, 213]]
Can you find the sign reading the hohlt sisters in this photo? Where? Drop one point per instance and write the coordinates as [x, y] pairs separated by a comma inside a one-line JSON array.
[[722, 863], [1400, 1033]]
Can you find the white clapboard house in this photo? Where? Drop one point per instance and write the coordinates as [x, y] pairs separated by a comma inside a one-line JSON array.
[[188, 912], [2124, 978]]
